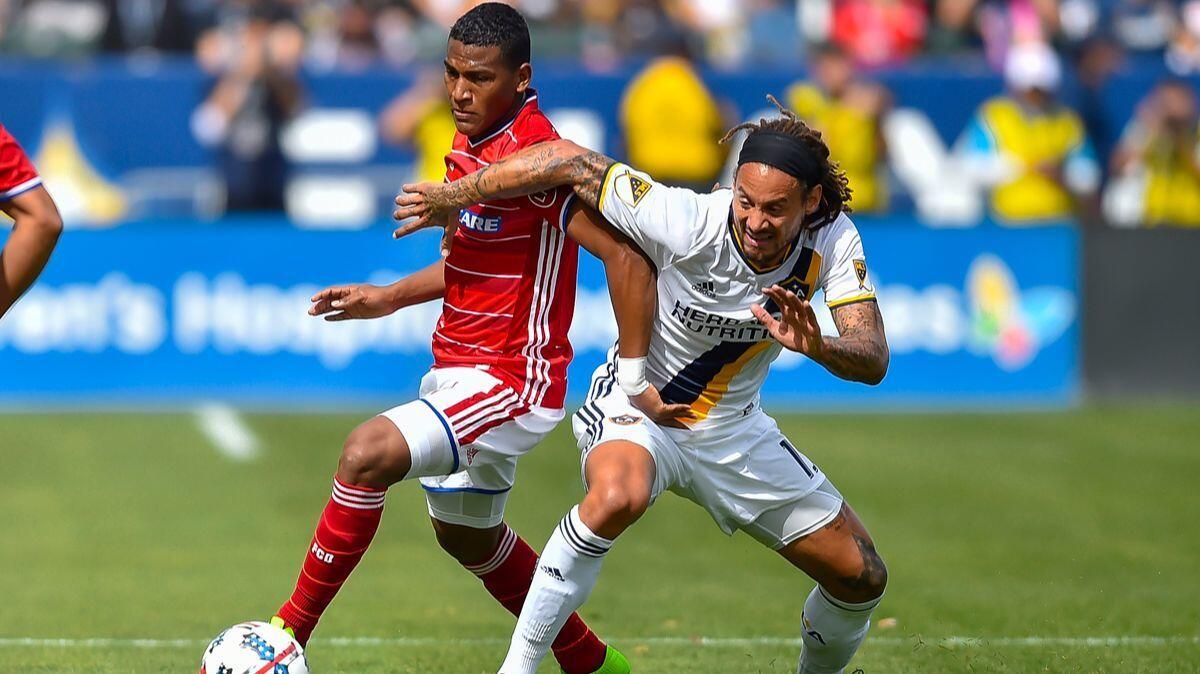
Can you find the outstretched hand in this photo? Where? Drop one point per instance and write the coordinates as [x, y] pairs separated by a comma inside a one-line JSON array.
[[651, 404], [796, 328], [361, 300]]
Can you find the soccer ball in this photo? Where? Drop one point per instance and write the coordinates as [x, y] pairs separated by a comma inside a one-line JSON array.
[[254, 648]]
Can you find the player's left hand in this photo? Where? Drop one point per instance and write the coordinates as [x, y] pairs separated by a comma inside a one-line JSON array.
[[797, 328]]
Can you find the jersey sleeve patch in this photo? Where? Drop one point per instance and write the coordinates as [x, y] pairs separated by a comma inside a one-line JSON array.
[[630, 188], [860, 270]]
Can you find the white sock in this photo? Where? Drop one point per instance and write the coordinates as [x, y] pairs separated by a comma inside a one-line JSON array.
[[565, 576], [833, 631]]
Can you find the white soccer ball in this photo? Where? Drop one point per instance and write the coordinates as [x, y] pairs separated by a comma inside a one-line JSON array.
[[254, 648]]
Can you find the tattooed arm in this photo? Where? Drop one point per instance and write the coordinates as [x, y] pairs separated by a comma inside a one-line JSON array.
[[858, 353], [535, 169]]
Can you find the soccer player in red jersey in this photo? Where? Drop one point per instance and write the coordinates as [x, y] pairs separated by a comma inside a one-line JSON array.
[[500, 350], [36, 223]]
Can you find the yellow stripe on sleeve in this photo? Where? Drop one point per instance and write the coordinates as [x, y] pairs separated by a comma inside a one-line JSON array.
[[850, 300], [605, 184]]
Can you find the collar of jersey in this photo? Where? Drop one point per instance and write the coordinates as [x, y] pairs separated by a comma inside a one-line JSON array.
[[737, 246], [530, 96]]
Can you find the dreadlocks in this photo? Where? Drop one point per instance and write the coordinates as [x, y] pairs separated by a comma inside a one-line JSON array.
[[835, 189]]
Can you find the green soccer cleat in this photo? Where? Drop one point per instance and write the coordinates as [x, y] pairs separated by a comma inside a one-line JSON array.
[[614, 663], [276, 621]]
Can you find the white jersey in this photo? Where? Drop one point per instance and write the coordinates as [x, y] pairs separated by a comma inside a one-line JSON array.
[[707, 349]]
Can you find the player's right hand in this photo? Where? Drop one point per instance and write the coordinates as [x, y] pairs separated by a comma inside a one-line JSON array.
[[360, 300], [651, 404], [419, 208], [420, 205]]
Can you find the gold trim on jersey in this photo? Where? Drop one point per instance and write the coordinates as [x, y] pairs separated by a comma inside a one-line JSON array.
[[850, 300], [605, 182], [803, 287], [719, 386]]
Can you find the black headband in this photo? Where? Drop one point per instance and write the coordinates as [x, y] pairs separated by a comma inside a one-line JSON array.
[[784, 152]]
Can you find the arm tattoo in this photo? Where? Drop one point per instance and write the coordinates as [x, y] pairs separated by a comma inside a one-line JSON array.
[[540, 167], [588, 171], [860, 352]]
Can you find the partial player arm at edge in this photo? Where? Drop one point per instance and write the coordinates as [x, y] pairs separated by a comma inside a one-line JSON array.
[[36, 228], [860, 351], [534, 169]]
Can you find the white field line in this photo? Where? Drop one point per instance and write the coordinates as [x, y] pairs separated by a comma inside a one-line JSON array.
[[224, 428], [716, 642]]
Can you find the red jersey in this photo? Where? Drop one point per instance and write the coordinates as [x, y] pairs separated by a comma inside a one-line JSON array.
[[17, 174], [510, 275]]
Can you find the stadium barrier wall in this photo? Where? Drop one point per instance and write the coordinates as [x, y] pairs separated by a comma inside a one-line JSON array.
[[173, 313], [1141, 313]]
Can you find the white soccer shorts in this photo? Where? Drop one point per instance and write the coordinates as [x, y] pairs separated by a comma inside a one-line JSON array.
[[465, 433], [746, 473]]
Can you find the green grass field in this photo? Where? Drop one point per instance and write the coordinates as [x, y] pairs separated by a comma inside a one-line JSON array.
[[1057, 542]]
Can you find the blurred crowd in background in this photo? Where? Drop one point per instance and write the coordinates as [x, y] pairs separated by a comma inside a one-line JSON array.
[[350, 34], [1026, 157]]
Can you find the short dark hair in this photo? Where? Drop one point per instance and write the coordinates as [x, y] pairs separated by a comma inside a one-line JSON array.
[[495, 24]]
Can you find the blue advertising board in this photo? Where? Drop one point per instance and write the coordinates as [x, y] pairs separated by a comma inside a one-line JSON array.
[[175, 313]]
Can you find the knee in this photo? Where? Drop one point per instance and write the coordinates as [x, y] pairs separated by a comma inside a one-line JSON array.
[[371, 458], [867, 580], [467, 545], [612, 507]]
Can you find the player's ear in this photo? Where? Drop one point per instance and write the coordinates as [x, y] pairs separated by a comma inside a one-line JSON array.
[[524, 77], [812, 200]]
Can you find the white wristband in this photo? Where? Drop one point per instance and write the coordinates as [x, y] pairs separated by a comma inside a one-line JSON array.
[[631, 375]]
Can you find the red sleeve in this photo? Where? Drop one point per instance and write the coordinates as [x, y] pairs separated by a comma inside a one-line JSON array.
[[533, 129], [535, 137], [17, 174]]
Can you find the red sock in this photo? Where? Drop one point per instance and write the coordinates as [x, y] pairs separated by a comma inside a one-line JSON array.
[[507, 576], [343, 534]]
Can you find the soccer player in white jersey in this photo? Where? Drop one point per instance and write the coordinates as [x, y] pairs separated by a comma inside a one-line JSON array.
[[737, 270]]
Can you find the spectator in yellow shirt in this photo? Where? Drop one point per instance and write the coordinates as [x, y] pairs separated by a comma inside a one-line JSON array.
[[1027, 147], [847, 112], [421, 116], [1163, 142], [672, 123]]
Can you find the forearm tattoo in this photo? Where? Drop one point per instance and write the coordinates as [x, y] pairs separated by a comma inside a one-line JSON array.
[[535, 169], [587, 172], [860, 352]]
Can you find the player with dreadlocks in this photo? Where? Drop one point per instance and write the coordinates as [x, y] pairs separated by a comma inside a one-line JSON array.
[[737, 271]]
